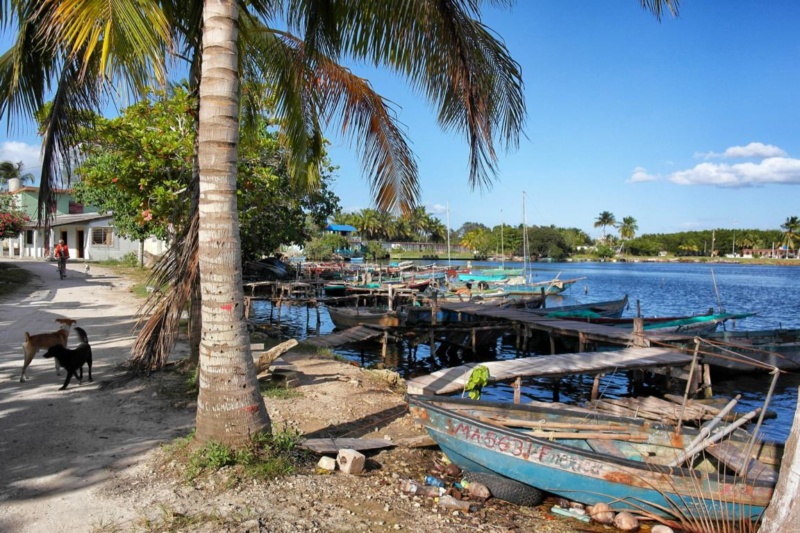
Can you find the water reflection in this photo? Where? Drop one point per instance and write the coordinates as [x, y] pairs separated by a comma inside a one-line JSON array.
[[655, 289]]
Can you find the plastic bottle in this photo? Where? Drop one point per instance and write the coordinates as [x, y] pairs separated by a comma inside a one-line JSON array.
[[410, 486], [448, 502], [434, 481]]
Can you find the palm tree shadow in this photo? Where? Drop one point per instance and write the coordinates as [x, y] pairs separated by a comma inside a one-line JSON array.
[[361, 426]]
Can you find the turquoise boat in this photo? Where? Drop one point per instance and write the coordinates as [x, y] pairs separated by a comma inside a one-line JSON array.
[[491, 278], [592, 458]]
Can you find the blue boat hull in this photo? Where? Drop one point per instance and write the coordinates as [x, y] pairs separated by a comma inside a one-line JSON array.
[[571, 469]]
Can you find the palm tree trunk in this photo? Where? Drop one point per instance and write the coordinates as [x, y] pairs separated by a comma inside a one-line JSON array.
[[230, 408]]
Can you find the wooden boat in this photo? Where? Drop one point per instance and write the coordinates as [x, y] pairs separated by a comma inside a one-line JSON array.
[[502, 271], [347, 317], [746, 351], [692, 325], [593, 458], [610, 308], [553, 286], [474, 276]]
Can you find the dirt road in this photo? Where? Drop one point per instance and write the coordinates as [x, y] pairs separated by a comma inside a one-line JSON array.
[[57, 447]]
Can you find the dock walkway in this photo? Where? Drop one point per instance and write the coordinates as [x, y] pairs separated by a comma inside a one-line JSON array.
[[453, 379], [585, 331]]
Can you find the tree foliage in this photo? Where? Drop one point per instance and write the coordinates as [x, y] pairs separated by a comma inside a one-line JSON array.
[[139, 166], [12, 220]]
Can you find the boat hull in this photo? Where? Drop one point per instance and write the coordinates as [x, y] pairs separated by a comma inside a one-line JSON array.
[[573, 470], [348, 317]]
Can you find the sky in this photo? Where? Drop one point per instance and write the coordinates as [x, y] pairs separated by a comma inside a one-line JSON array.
[[686, 124]]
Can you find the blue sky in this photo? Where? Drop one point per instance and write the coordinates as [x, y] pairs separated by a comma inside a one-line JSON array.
[[690, 123], [687, 124]]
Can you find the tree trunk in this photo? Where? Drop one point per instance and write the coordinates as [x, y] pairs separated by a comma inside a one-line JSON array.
[[783, 512], [230, 408]]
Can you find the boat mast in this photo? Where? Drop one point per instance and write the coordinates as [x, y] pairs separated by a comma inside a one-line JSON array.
[[502, 245], [448, 234], [524, 240]]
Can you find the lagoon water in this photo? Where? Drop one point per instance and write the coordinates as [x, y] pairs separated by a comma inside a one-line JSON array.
[[660, 289]]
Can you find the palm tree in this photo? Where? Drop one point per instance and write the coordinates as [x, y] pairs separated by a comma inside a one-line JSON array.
[[628, 228], [790, 229], [9, 171], [605, 219], [441, 47]]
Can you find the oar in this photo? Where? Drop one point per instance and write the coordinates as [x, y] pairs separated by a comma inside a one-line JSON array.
[[705, 444], [705, 431]]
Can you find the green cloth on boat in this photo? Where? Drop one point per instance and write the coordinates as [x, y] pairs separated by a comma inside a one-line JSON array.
[[583, 313]]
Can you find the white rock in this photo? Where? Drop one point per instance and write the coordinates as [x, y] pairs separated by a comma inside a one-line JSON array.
[[351, 461], [602, 513], [327, 463], [626, 521], [661, 528]]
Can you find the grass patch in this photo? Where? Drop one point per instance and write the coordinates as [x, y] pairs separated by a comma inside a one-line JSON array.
[[265, 457], [277, 391], [12, 278]]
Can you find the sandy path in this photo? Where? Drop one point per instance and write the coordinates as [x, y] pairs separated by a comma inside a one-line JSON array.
[[60, 449]]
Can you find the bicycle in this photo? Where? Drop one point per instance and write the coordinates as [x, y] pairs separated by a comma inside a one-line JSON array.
[[62, 267]]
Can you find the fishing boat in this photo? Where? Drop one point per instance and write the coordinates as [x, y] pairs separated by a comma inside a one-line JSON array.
[[745, 351], [348, 317], [693, 325], [627, 463], [610, 308], [553, 286], [479, 276]]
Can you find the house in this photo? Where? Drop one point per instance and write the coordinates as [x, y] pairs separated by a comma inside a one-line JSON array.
[[89, 234]]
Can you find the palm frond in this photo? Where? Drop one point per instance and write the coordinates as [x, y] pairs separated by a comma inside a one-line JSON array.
[[658, 7], [178, 269], [453, 59], [309, 89], [127, 37], [60, 128]]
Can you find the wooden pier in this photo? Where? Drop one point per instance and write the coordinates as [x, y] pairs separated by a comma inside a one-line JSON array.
[[450, 380]]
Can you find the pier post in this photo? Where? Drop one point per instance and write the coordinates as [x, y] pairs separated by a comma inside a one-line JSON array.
[[517, 386], [385, 342], [596, 386], [783, 512], [708, 393], [247, 304]]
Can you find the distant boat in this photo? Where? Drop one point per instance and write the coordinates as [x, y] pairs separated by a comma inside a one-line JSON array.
[[553, 286], [692, 325], [748, 351], [630, 464], [348, 317], [502, 271], [610, 308], [472, 276]]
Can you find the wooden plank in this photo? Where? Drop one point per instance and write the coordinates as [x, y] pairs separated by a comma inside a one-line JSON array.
[[334, 445], [734, 458], [453, 379]]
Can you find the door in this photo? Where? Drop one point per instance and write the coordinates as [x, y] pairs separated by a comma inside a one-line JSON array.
[[80, 246]]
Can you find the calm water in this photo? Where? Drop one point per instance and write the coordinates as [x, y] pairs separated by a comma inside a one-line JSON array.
[[661, 289]]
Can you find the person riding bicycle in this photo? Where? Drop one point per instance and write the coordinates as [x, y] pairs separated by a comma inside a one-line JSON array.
[[62, 254]]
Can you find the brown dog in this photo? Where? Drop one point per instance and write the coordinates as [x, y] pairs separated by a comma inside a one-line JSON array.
[[42, 341]]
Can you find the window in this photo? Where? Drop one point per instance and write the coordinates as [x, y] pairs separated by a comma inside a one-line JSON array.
[[29, 237], [101, 236]]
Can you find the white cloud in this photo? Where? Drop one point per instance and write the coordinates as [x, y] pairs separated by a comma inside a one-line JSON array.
[[772, 170], [437, 209], [640, 175], [753, 150], [16, 151]]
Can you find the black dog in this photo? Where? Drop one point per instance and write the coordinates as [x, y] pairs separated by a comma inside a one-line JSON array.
[[73, 360]]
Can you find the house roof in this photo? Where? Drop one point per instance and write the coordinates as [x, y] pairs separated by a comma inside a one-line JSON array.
[[340, 227], [66, 220]]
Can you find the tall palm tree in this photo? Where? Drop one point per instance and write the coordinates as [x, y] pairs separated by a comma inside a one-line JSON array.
[[604, 220], [440, 46], [9, 171], [790, 229]]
